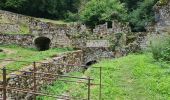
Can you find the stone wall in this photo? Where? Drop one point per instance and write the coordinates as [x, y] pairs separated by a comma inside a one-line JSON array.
[[117, 27], [50, 66], [18, 39], [9, 28], [162, 16], [96, 54], [60, 35], [72, 35], [137, 41], [9, 17]]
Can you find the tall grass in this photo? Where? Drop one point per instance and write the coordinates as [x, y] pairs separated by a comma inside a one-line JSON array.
[[160, 47]]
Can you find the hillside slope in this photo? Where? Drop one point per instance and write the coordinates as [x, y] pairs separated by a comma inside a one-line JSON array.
[[135, 77]]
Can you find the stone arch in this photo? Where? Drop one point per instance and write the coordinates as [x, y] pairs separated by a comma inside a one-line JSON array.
[[42, 43], [89, 63]]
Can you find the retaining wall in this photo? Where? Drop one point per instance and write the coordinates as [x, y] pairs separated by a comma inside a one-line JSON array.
[[50, 66]]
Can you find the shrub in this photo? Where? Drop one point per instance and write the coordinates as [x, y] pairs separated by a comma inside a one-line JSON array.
[[142, 15], [160, 48], [72, 17], [99, 11]]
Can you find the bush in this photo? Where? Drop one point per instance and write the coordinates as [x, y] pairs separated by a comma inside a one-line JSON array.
[[72, 17], [99, 11], [142, 15], [160, 47]]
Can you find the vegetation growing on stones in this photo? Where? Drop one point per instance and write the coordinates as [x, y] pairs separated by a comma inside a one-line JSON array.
[[18, 53], [136, 76], [160, 47], [163, 2], [91, 12]]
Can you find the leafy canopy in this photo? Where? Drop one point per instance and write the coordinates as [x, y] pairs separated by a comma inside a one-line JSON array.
[[99, 11]]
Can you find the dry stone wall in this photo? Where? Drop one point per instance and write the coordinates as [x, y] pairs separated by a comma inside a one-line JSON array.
[[18, 39], [61, 35], [73, 35], [9, 28], [51, 66], [162, 16], [117, 27]]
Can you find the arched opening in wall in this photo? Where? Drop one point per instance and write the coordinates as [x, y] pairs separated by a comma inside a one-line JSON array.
[[90, 63], [42, 43], [109, 24]]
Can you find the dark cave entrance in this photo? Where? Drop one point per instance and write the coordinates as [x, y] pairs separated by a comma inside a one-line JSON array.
[[88, 64], [42, 43]]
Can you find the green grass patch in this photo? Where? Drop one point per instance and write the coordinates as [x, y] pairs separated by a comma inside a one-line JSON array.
[[53, 21], [24, 29], [134, 77], [60, 87], [26, 54], [4, 20], [2, 55]]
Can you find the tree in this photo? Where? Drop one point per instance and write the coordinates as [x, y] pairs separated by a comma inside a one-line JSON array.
[[131, 4], [55, 9], [143, 14], [99, 11]]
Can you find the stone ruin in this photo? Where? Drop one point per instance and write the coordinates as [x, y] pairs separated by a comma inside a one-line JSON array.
[[45, 35], [162, 17]]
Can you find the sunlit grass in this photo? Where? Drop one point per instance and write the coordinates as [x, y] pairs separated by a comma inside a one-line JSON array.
[[134, 77], [53, 21], [27, 54]]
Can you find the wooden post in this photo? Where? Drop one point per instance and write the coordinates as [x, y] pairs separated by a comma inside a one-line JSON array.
[[34, 79], [89, 88], [100, 89], [4, 83]]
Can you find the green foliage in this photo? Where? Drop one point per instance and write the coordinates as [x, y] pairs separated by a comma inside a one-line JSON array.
[[99, 11], [72, 17], [91, 12], [142, 15], [17, 4], [160, 48], [42, 8], [131, 4], [2, 55], [140, 12], [60, 87]]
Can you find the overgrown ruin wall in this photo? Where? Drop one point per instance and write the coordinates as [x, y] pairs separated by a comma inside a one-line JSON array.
[[50, 66], [72, 35], [162, 16], [60, 35], [9, 28], [22, 40]]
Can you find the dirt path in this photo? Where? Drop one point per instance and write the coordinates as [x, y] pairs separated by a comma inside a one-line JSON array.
[[132, 89], [7, 60]]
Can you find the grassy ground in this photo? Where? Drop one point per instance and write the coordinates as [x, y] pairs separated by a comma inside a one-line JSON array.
[[134, 77], [25, 54], [61, 87], [52, 21]]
